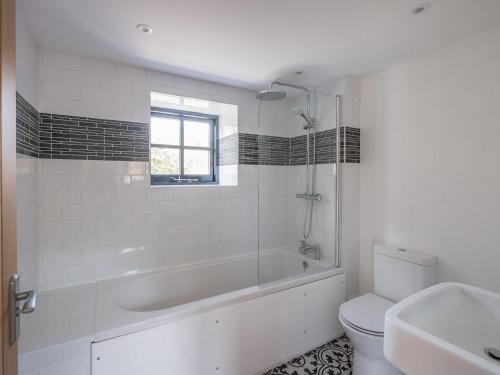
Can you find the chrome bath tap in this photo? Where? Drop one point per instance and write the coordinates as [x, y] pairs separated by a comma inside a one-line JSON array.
[[310, 251]]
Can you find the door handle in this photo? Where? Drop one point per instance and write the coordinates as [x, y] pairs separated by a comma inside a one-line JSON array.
[[30, 301], [29, 305]]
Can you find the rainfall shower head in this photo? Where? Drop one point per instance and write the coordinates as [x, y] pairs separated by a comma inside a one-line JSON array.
[[310, 122], [270, 95]]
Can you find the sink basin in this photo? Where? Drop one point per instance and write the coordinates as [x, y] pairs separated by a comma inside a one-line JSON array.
[[445, 329]]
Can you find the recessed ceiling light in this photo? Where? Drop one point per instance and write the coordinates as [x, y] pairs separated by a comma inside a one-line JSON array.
[[144, 28], [420, 8]]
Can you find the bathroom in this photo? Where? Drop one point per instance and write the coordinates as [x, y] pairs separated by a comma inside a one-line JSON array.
[[321, 198]]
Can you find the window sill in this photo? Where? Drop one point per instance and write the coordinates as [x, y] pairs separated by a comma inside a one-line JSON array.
[[185, 185]]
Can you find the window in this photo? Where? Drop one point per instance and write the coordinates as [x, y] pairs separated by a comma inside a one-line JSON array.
[[183, 150]]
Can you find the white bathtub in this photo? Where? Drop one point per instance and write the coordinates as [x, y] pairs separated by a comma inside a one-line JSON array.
[[213, 318], [182, 286]]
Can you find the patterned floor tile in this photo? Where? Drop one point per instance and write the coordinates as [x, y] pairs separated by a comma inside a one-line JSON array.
[[333, 358]]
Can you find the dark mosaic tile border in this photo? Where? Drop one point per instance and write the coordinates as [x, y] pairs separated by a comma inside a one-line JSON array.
[[267, 150], [27, 128], [273, 150], [326, 147], [248, 149], [85, 138], [263, 149], [52, 136], [350, 145]]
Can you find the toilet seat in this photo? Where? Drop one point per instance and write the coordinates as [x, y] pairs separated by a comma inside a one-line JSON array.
[[366, 314]]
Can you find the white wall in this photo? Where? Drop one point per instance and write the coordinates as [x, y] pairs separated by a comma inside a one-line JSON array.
[[429, 172], [26, 61]]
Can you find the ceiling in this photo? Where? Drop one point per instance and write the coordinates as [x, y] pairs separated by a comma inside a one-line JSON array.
[[248, 43]]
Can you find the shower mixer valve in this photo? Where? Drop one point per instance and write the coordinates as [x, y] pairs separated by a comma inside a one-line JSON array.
[[310, 251]]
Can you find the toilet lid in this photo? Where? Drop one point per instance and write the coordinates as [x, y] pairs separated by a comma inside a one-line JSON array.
[[366, 312]]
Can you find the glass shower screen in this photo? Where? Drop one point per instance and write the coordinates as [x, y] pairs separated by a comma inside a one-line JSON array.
[[297, 184]]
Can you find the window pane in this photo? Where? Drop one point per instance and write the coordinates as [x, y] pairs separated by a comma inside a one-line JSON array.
[[165, 131], [196, 133], [197, 162], [165, 161]]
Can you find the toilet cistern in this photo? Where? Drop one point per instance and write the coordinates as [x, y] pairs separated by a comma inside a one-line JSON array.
[[398, 273]]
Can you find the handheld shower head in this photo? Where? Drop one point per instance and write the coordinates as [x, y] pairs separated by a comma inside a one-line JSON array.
[[310, 122]]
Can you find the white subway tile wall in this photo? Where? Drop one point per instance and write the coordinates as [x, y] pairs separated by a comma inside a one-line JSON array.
[[81, 86], [100, 219], [27, 184]]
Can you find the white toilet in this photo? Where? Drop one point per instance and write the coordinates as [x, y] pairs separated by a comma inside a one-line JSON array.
[[397, 274]]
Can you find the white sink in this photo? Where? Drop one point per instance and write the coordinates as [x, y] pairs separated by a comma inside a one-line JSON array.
[[444, 330]]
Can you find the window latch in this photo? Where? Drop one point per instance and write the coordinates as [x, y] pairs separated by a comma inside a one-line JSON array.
[[179, 179]]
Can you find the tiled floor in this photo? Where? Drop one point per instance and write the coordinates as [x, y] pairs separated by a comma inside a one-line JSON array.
[[333, 358]]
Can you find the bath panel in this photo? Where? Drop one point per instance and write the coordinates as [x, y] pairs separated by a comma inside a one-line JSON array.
[[242, 338]]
